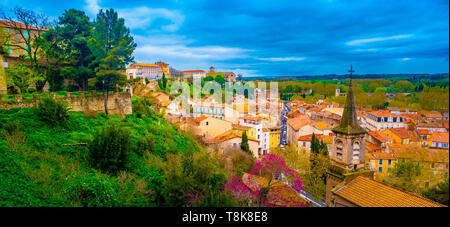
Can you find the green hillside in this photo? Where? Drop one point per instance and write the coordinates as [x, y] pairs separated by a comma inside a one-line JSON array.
[[45, 165]]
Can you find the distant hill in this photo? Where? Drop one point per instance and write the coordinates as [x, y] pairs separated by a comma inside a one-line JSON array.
[[437, 76]]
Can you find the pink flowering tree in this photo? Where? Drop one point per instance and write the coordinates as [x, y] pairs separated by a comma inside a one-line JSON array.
[[269, 167]]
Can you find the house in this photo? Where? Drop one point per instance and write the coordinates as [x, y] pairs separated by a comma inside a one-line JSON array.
[[439, 140], [144, 70], [208, 107], [438, 159], [425, 137], [398, 135], [293, 128], [383, 119], [11, 33], [209, 127], [305, 141], [364, 192], [378, 138], [231, 140], [190, 75], [230, 76], [432, 116], [432, 127], [382, 162]]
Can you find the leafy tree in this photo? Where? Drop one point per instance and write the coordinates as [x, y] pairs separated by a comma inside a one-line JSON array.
[[404, 86], [244, 144], [113, 46], [219, 79], [72, 34], [20, 76], [110, 148], [439, 192]]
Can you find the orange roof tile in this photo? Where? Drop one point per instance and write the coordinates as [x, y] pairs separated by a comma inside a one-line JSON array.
[[400, 132], [379, 136], [297, 123], [193, 71], [382, 155], [365, 192], [9, 24], [440, 137], [198, 119]]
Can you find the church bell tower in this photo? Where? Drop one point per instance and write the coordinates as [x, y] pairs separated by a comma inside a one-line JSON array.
[[348, 137]]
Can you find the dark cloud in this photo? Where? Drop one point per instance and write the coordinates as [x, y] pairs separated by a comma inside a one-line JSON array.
[[256, 35]]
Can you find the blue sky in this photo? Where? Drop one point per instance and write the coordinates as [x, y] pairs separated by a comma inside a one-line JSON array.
[[279, 37]]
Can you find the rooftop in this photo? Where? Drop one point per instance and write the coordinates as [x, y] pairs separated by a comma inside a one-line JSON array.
[[365, 192]]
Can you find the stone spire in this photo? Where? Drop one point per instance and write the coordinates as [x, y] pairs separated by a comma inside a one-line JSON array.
[[349, 123]]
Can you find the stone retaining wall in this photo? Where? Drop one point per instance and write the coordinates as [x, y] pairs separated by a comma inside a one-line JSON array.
[[118, 103]]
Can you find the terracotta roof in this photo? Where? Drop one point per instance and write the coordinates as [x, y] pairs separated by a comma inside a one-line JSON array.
[[372, 148], [383, 113], [365, 192], [198, 119], [400, 132], [383, 155], [193, 71], [230, 134], [240, 127], [297, 123], [131, 67], [326, 139], [379, 136], [423, 132], [9, 24], [145, 65], [250, 118], [441, 137], [418, 153]]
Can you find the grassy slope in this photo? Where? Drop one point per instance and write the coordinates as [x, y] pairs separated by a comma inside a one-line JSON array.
[[39, 170]]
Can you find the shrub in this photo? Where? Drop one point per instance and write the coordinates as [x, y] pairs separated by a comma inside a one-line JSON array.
[[52, 111], [110, 148], [146, 143], [31, 90], [92, 190], [142, 108]]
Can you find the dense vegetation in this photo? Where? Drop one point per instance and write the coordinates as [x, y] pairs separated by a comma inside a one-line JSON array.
[[62, 164], [372, 93]]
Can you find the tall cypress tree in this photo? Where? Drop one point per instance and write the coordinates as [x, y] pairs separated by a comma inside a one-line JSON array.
[[244, 144]]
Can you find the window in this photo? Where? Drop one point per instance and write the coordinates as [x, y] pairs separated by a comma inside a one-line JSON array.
[[390, 162], [385, 119], [380, 162], [380, 169], [206, 123]]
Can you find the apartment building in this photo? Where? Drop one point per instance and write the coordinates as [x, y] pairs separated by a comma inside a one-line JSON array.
[[383, 119]]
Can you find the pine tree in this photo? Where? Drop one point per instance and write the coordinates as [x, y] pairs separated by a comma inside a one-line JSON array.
[[244, 144]]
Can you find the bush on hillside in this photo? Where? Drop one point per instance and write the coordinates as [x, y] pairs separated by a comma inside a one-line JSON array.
[[52, 111], [110, 148], [142, 108], [92, 190]]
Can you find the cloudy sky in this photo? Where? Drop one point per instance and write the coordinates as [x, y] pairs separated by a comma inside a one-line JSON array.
[[280, 37]]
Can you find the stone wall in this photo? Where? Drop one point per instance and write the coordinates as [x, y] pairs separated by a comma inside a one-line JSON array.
[[2, 76], [119, 103]]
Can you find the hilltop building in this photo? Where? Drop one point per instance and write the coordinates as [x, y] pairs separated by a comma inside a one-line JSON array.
[[149, 71]]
